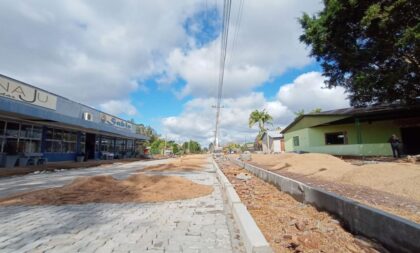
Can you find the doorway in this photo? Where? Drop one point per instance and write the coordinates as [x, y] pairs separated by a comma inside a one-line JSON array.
[[411, 140], [90, 146]]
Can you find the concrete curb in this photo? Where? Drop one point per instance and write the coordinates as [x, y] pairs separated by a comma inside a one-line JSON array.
[[393, 232], [254, 240]]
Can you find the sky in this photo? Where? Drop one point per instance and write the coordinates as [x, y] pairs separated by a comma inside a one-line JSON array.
[[157, 62]]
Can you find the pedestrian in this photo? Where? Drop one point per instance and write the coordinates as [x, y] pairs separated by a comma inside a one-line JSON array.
[[395, 146]]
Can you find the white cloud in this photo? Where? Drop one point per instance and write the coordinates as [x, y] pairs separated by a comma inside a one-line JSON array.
[[198, 118], [116, 107], [197, 121], [308, 92], [90, 51], [266, 46]]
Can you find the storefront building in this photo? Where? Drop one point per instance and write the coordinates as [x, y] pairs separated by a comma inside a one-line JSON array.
[[37, 123]]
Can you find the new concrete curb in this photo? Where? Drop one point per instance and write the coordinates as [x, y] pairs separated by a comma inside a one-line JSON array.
[[393, 232], [254, 240]]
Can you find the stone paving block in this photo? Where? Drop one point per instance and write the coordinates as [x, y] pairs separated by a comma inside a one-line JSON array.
[[174, 226]]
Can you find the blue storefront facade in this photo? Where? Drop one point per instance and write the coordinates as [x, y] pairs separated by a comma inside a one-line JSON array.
[[39, 123]]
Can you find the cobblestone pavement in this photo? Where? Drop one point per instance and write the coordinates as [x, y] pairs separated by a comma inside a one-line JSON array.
[[196, 225], [30, 182]]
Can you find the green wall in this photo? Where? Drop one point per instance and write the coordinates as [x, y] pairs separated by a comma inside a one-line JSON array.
[[374, 138]]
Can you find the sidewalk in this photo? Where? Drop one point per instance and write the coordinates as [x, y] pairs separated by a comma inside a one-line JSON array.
[[195, 225]]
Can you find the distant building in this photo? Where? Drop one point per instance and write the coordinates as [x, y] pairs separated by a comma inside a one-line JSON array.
[[250, 146], [356, 131], [38, 125], [272, 142]]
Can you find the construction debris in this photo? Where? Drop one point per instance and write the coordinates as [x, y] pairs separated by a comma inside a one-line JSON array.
[[243, 176], [290, 226]]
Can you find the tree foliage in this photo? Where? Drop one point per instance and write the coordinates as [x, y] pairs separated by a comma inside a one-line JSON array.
[[302, 112], [191, 147], [369, 47], [260, 117]]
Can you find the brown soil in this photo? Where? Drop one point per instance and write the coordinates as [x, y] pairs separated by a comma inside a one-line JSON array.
[[290, 226], [106, 189], [399, 178], [184, 163], [364, 183], [388, 202]]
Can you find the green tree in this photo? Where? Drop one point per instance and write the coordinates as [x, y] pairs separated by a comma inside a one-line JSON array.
[[260, 117], [369, 47], [175, 148], [302, 112], [191, 147]]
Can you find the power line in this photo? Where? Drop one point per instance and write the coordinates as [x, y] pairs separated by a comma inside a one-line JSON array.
[[223, 49], [237, 26]]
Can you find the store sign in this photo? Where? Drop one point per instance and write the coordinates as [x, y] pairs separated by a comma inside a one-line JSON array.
[[27, 94], [113, 121]]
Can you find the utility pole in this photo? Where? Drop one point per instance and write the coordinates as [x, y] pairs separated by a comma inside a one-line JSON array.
[[216, 132]]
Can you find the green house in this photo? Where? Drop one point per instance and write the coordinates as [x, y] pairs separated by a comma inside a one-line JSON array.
[[356, 131]]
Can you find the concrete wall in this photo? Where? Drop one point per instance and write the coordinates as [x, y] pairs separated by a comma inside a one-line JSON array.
[[393, 232]]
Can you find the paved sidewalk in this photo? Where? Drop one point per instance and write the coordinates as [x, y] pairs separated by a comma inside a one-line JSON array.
[[30, 182], [196, 225]]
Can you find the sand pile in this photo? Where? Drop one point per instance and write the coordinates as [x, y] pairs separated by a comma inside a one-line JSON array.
[[400, 179], [396, 178], [321, 165], [186, 163], [106, 189]]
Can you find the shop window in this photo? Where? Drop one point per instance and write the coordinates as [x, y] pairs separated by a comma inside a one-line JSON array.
[[25, 131], [130, 145], [296, 141], [107, 145], [59, 141], [336, 138], [2, 128], [58, 134], [29, 146], [50, 134], [82, 142], [12, 130], [10, 146], [120, 145], [37, 132]]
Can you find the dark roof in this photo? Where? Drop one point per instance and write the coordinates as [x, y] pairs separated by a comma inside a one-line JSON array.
[[378, 111], [358, 111]]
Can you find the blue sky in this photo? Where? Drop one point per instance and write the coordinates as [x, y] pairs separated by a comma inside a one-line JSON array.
[[157, 61]]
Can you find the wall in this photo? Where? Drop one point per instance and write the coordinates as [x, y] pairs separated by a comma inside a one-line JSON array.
[[374, 137], [303, 139]]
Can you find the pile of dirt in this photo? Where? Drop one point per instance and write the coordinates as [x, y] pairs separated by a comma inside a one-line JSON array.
[[401, 179], [397, 178], [106, 189], [290, 226], [184, 163], [322, 165]]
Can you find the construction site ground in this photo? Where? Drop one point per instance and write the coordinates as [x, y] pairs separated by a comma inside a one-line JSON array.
[[53, 166], [288, 225], [390, 186], [73, 217]]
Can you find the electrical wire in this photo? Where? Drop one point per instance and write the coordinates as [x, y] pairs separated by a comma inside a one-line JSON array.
[[223, 50], [237, 26]]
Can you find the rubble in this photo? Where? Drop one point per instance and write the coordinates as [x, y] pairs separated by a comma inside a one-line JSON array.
[[288, 225]]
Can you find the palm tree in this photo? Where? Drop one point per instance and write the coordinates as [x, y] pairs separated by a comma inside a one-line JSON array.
[[260, 117]]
